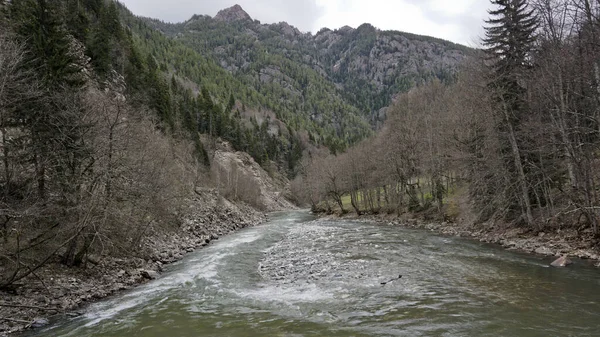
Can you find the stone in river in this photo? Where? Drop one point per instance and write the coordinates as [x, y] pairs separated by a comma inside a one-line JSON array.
[[562, 261]]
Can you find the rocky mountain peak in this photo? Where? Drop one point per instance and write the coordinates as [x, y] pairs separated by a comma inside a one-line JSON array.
[[235, 13], [345, 30]]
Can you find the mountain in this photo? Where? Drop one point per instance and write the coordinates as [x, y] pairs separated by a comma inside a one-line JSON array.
[[232, 14], [358, 70]]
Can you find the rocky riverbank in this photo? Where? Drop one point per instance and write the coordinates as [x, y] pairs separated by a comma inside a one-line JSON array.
[[208, 214], [559, 242], [63, 290]]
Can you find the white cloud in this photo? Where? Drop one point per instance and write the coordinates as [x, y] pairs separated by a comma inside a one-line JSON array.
[[459, 21], [384, 14], [452, 7]]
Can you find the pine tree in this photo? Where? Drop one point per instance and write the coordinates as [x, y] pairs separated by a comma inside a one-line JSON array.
[[104, 38], [159, 94], [509, 40], [38, 23], [77, 19]]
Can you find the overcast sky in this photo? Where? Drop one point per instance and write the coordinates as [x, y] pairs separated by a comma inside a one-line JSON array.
[[455, 20]]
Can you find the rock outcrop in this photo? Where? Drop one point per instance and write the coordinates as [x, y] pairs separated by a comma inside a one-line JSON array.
[[241, 178], [235, 13]]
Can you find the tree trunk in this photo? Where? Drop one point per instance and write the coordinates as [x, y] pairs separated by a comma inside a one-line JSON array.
[[354, 202], [109, 167], [564, 133], [338, 200], [371, 200], [386, 197], [400, 189], [69, 257], [82, 253], [7, 173], [520, 170], [41, 178]]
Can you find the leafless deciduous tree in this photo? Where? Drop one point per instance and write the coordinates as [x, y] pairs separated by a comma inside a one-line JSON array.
[[525, 146]]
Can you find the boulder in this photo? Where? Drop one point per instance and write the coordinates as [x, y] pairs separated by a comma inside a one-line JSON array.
[[149, 274], [562, 261], [93, 259]]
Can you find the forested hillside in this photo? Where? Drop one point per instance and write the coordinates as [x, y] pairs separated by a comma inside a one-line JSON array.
[[329, 83], [514, 141], [103, 145]]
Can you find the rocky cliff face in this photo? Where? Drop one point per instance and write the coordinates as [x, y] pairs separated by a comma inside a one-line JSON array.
[[361, 69], [377, 57], [240, 178], [372, 66]]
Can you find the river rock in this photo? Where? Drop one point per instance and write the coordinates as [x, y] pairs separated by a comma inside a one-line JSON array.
[[93, 259], [543, 251], [39, 322], [149, 274], [562, 261]]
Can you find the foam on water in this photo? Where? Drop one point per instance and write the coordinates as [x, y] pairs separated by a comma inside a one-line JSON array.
[[204, 265], [286, 294]]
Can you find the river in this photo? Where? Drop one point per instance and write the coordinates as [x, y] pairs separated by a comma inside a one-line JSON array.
[[297, 276]]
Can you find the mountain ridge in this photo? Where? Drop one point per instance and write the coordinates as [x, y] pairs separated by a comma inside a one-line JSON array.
[[235, 10], [375, 57], [324, 83]]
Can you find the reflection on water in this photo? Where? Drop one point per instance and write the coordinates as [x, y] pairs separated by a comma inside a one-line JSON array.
[[297, 276]]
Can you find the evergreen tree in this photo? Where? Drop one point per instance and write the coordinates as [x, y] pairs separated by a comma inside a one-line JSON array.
[[77, 20], [107, 33], [510, 37], [509, 41], [134, 67], [159, 94], [39, 25]]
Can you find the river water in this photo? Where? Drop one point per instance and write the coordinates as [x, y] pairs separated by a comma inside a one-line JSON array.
[[297, 276]]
